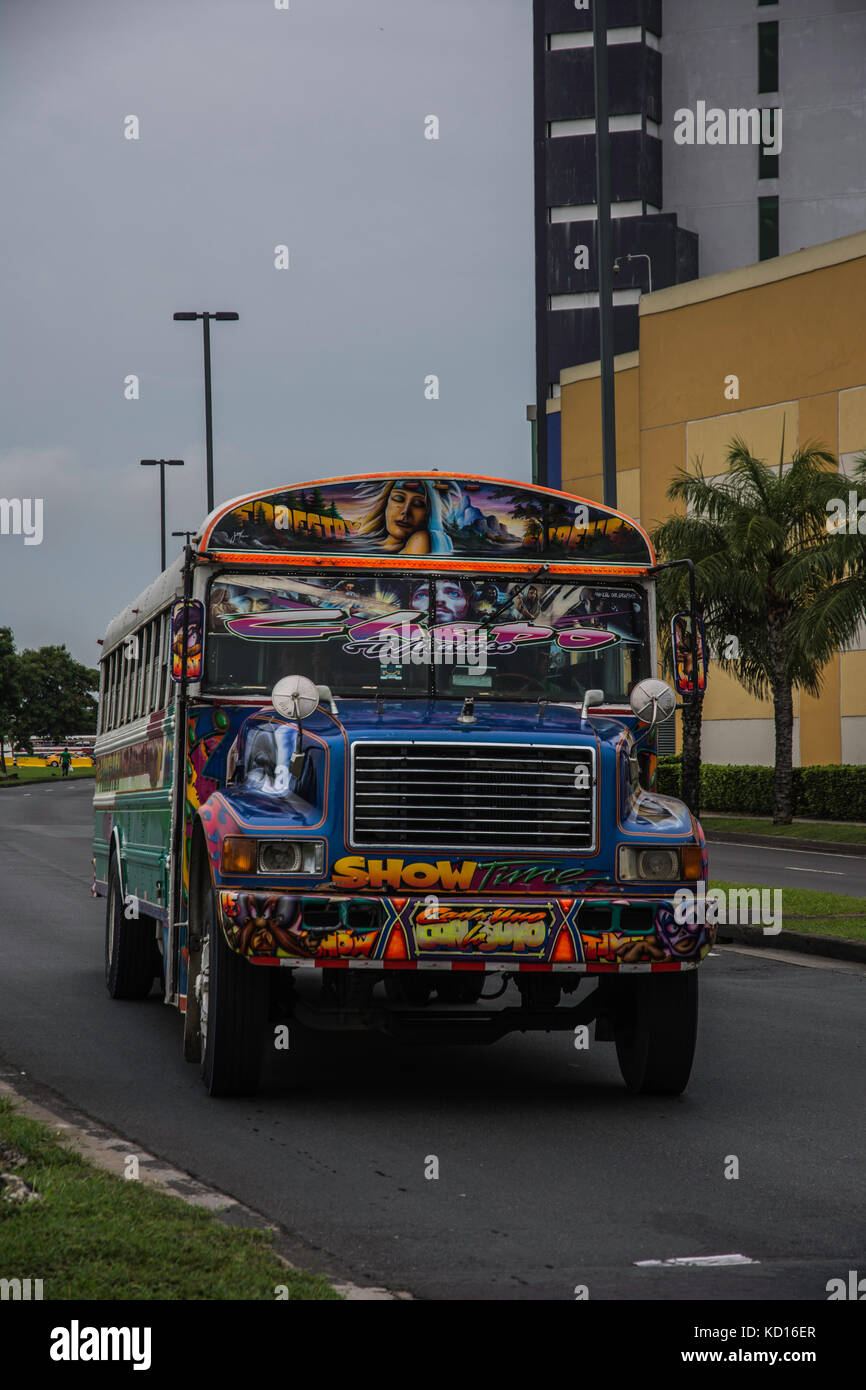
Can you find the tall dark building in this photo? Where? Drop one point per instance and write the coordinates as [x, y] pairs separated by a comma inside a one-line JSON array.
[[705, 156], [567, 263]]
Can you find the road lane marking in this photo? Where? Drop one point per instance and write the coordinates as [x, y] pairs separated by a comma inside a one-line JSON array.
[[798, 869], [683, 1261], [780, 849]]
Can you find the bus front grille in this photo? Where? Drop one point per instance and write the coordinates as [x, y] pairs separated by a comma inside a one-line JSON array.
[[473, 796]]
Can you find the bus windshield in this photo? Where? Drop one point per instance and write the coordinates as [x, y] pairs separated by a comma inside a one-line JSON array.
[[427, 635]]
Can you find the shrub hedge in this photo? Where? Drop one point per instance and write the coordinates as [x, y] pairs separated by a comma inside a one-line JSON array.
[[831, 792]]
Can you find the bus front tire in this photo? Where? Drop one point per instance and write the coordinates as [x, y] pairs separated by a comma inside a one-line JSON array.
[[655, 1030], [132, 958], [234, 999]]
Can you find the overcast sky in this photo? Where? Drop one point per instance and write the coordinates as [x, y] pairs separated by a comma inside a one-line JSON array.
[[258, 127]]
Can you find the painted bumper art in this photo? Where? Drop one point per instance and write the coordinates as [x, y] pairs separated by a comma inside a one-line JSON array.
[[399, 932]]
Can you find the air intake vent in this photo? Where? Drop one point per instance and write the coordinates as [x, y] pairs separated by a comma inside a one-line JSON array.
[[464, 797]]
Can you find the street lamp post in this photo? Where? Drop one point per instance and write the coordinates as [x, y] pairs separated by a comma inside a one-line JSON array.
[[224, 316], [605, 291], [162, 465]]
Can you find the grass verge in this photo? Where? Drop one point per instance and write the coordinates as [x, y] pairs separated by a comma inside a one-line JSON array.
[[808, 910], [43, 774], [841, 833], [95, 1236]]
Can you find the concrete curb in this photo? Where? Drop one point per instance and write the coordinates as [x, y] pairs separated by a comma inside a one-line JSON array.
[[733, 837], [809, 943], [108, 1150], [6, 783]]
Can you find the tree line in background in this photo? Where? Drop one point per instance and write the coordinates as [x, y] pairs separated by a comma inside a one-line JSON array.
[[772, 572], [44, 693]]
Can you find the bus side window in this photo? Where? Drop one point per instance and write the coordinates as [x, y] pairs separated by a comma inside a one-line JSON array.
[[111, 712], [137, 664], [162, 661], [101, 713], [147, 699], [117, 684], [128, 680], [145, 655]]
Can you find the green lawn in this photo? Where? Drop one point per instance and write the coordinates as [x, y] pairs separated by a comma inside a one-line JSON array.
[[808, 910], [95, 1236], [42, 774], [843, 832]]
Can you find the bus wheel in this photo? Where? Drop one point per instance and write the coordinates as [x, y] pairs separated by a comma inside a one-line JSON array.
[[234, 998], [131, 954], [655, 1029]]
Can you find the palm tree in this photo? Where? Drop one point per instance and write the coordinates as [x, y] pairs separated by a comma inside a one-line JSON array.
[[764, 559], [835, 606]]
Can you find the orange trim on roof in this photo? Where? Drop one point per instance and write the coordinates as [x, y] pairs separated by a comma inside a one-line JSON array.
[[432, 563]]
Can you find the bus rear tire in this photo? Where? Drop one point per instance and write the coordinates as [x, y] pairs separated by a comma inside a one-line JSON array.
[[655, 1030], [132, 958], [234, 1004]]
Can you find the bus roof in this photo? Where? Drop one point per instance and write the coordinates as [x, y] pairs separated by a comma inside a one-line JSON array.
[[423, 513], [156, 596], [446, 516]]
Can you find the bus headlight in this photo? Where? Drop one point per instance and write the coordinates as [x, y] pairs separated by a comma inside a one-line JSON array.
[[659, 865], [291, 856]]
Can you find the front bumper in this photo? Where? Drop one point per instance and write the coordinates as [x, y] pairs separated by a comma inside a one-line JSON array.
[[590, 935]]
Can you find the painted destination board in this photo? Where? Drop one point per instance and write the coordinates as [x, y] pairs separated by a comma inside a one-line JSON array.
[[424, 515]]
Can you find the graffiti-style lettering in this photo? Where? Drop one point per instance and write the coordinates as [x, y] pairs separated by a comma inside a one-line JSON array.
[[289, 622], [508, 634], [354, 871], [481, 929]]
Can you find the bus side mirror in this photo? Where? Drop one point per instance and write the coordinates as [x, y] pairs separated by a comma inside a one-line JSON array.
[[295, 697], [186, 615], [653, 701], [690, 664]]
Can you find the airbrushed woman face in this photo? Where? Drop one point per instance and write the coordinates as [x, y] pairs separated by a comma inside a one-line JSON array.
[[405, 511]]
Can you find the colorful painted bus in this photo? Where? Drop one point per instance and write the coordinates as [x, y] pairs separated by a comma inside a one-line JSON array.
[[379, 753]]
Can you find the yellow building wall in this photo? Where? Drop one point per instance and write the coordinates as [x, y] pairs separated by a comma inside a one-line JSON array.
[[820, 730], [853, 682], [852, 420], [794, 336], [763, 430], [819, 421], [580, 405], [663, 451], [790, 331]]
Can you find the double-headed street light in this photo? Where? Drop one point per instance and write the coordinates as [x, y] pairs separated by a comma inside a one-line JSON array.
[[635, 256], [224, 316], [162, 465]]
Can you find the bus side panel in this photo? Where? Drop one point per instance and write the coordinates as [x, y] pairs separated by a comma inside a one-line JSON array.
[[132, 794]]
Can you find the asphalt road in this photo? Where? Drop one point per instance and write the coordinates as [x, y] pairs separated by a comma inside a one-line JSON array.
[[773, 867], [550, 1174]]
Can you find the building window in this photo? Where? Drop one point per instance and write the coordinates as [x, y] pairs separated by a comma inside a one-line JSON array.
[[768, 228], [768, 164], [768, 56]]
